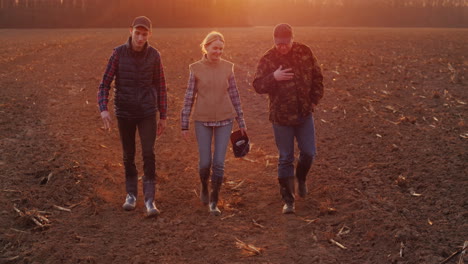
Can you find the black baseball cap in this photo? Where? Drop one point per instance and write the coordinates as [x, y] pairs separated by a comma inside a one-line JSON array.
[[142, 21], [283, 34]]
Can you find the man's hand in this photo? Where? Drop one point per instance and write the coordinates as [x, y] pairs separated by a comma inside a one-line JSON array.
[[106, 119], [161, 127], [283, 74]]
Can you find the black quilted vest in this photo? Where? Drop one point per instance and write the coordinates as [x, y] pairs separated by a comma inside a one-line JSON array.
[[135, 92]]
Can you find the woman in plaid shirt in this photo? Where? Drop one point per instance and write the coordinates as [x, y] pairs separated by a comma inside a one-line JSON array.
[[213, 94]]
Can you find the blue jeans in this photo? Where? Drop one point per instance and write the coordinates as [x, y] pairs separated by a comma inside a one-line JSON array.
[[284, 137], [147, 131], [221, 139]]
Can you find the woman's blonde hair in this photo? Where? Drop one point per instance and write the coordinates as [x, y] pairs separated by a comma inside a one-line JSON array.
[[212, 36]]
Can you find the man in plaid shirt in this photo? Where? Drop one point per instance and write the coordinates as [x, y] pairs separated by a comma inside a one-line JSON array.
[[139, 93]]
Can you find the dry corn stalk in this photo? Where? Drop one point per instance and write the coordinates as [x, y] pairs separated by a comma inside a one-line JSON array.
[[247, 159], [308, 221], [35, 216], [229, 216], [235, 188], [454, 254], [462, 254], [413, 193], [248, 249], [257, 224], [344, 230], [337, 244], [62, 208]]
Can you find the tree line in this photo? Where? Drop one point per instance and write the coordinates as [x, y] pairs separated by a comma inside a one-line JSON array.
[[225, 13]]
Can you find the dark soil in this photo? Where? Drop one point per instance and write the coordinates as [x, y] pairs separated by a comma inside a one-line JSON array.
[[389, 182]]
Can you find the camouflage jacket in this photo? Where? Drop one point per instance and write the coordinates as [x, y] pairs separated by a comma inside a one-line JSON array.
[[293, 99]]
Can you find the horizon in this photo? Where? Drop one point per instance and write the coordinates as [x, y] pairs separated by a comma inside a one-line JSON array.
[[233, 13]]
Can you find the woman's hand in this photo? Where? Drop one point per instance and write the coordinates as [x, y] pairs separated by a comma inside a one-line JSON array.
[[243, 131], [185, 135]]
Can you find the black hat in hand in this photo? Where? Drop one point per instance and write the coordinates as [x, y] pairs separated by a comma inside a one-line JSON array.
[[240, 143]]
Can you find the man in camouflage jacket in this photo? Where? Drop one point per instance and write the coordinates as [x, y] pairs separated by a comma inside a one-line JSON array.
[[291, 76]]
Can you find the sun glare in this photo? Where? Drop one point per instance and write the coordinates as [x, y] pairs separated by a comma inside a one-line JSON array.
[[235, 13]]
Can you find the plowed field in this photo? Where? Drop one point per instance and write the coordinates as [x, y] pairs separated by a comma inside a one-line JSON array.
[[389, 183]]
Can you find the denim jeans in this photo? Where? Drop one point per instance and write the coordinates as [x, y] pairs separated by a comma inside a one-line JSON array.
[[221, 139], [284, 137], [147, 132]]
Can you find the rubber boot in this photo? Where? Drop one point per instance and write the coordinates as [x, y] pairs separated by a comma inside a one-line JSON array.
[[303, 167], [131, 186], [287, 193], [130, 202], [215, 187], [204, 176], [149, 190]]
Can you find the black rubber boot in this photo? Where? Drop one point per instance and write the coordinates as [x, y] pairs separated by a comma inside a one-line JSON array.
[[303, 167], [130, 202], [215, 187], [287, 193], [149, 191], [204, 176]]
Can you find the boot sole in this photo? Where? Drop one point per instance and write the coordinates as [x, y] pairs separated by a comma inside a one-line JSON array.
[[215, 213], [152, 213], [128, 207], [289, 210]]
